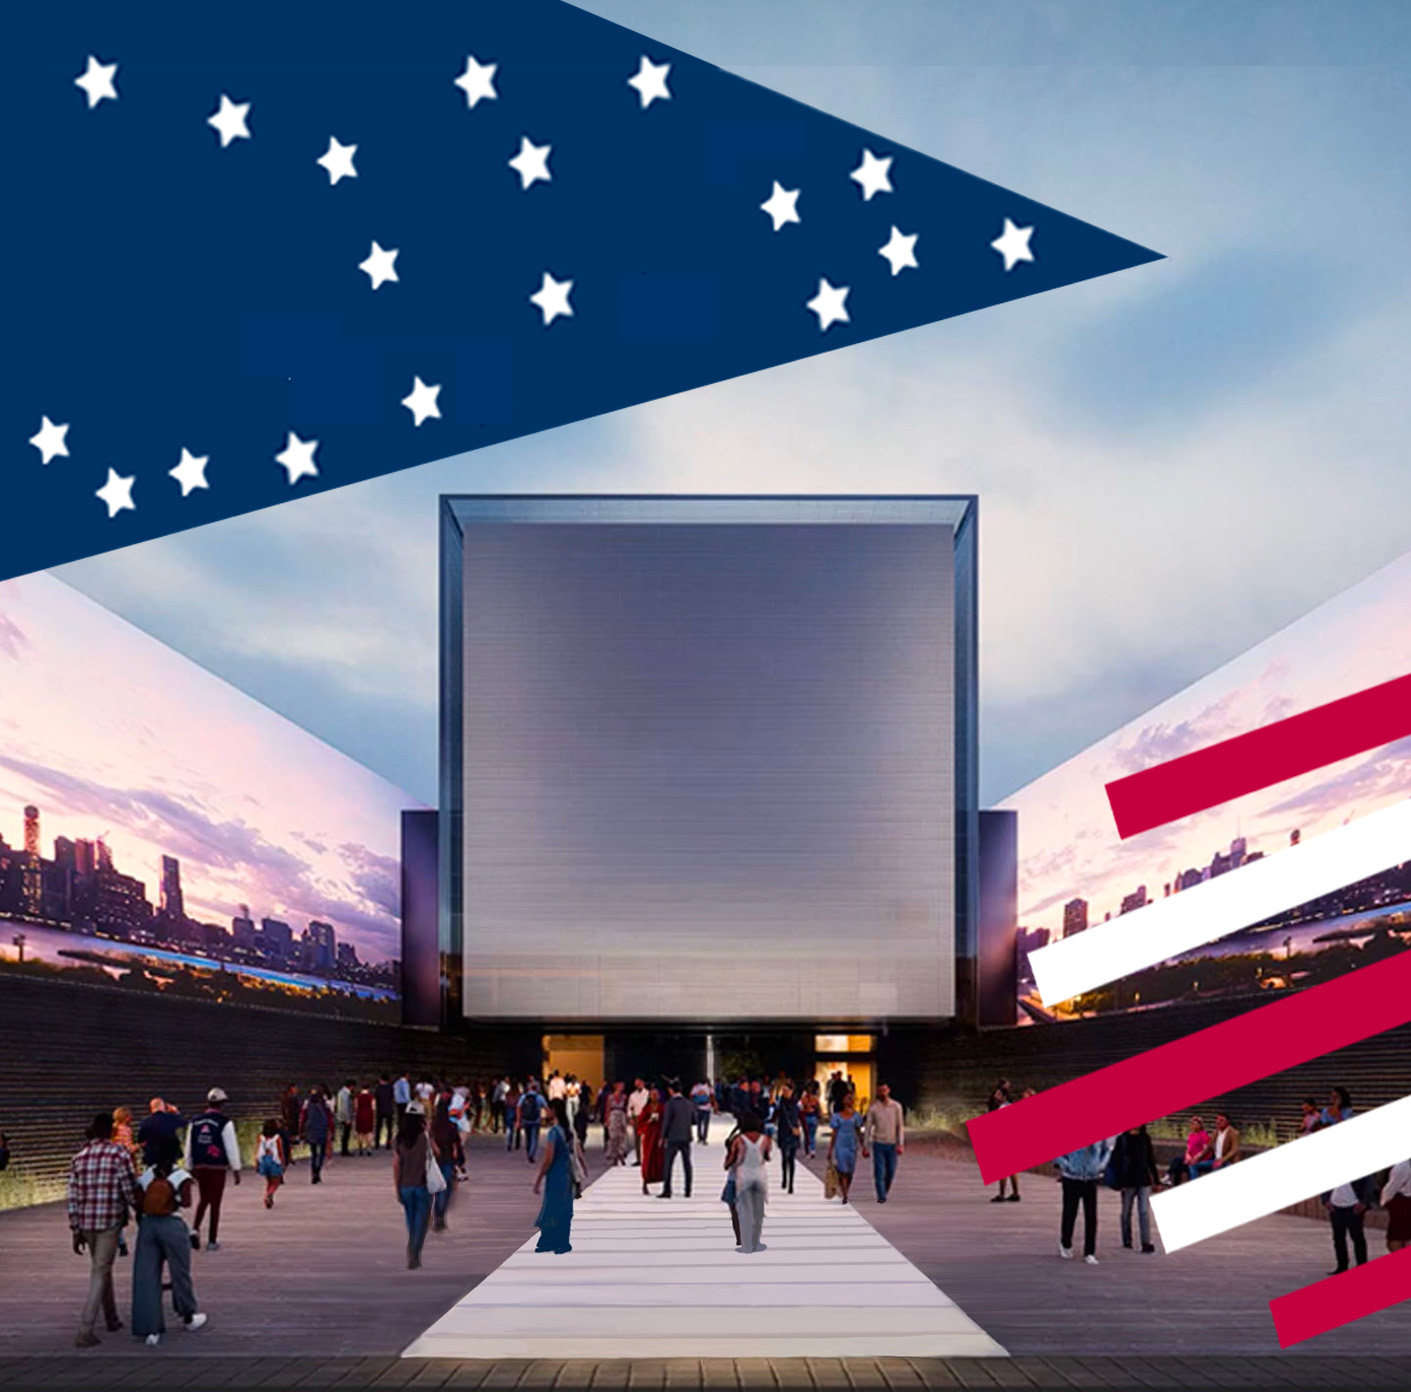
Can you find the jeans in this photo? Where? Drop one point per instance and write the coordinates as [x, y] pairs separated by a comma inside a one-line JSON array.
[[1075, 1192], [1142, 1198], [383, 1119], [1347, 1222], [416, 1207], [673, 1149], [345, 1134], [161, 1240], [788, 1157], [810, 1133], [440, 1201], [749, 1204], [512, 1135], [531, 1140], [884, 1168], [1201, 1167], [702, 1124], [317, 1151], [210, 1184], [102, 1249]]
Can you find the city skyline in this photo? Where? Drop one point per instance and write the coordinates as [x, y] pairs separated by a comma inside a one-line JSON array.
[[114, 735]]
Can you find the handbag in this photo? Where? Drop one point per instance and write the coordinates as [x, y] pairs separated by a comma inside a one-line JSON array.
[[832, 1186], [435, 1180]]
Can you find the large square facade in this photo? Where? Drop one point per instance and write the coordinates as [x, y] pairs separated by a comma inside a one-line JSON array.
[[707, 760]]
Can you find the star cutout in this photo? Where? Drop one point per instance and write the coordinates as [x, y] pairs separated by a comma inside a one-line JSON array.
[[782, 205], [477, 81], [191, 472], [338, 161], [531, 163], [650, 81], [871, 175], [229, 120], [552, 298], [422, 402], [827, 304], [1013, 244], [50, 440], [297, 458], [97, 81], [379, 265], [117, 493], [900, 251]]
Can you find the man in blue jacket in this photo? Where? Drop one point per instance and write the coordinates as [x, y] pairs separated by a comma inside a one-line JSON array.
[[1080, 1172]]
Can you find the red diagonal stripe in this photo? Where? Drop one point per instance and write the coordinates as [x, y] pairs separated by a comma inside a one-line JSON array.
[[1189, 1070], [1339, 1300], [1268, 755]]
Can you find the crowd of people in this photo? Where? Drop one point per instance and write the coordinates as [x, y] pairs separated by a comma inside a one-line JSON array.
[[1127, 1163]]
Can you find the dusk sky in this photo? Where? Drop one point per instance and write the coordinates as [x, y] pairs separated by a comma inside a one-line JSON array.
[[1068, 844], [1172, 463], [111, 734]]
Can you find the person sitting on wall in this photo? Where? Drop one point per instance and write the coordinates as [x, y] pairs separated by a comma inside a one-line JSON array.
[[1222, 1149], [1197, 1142]]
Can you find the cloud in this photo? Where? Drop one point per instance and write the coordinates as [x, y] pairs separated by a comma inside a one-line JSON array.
[[12, 637]]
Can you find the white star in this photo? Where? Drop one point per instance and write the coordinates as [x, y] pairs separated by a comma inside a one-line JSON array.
[[1013, 244], [117, 493], [782, 205], [50, 440], [191, 472], [531, 163], [229, 120], [97, 81], [422, 402], [477, 81], [871, 175], [297, 457], [379, 265], [338, 161], [827, 304], [650, 81], [900, 251], [552, 298]]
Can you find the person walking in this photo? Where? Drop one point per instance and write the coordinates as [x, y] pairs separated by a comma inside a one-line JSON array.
[[1347, 1206], [270, 1159], [212, 1154], [289, 1109], [343, 1116], [102, 1190], [1079, 1172], [788, 1125], [837, 1090], [531, 1113], [163, 1241], [1133, 1164], [649, 1146], [747, 1157], [615, 1117], [385, 1103], [123, 1136], [315, 1130], [401, 1096], [513, 1134], [701, 1103], [809, 1109], [636, 1105], [583, 1114], [884, 1134], [497, 1105], [365, 1119], [677, 1126], [444, 1140], [842, 1145], [554, 1179], [411, 1154], [1396, 1199], [161, 1123], [998, 1099]]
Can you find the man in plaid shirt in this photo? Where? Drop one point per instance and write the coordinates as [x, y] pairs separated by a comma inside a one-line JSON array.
[[102, 1189]]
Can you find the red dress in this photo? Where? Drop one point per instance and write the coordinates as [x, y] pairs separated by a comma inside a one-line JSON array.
[[363, 1113], [649, 1132]]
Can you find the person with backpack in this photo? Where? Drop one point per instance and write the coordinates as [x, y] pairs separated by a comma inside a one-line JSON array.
[[212, 1154], [531, 1111], [162, 1240], [316, 1130], [270, 1159]]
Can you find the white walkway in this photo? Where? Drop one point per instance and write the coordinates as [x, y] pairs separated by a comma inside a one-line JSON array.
[[655, 1278]]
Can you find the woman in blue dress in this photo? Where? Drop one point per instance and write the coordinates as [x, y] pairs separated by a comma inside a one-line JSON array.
[[555, 1180], [842, 1149]]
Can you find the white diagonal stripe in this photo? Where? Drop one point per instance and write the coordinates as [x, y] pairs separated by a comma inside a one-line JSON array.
[[1151, 935], [1264, 1184]]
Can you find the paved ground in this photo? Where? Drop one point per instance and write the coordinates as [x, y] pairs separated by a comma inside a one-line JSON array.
[[659, 1279], [323, 1278]]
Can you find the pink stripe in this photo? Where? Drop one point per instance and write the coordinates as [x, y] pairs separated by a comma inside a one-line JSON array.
[[1189, 1070], [1338, 1300]]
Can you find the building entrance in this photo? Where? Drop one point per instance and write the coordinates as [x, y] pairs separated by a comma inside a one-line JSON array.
[[579, 1054], [852, 1056]]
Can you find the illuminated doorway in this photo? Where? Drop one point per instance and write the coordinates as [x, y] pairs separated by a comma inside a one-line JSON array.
[[848, 1054], [579, 1054]]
